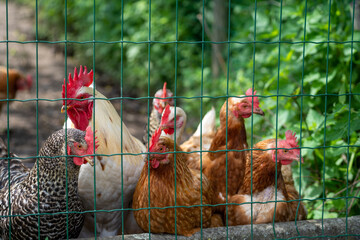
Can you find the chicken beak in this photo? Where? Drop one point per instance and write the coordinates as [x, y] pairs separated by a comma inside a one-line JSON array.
[[259, 111], [89, 160], [298, 159], [63, 108]]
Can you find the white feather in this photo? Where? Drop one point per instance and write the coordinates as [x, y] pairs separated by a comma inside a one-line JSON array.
[[207, 123], [268, 194], [116, 176]]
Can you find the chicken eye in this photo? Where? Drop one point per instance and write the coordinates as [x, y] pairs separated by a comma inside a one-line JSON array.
[[285, 150], [79, 146], [82, 97], [161, 149]]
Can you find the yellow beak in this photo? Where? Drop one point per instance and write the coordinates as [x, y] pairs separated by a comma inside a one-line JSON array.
[[89, 160], [63, 108]]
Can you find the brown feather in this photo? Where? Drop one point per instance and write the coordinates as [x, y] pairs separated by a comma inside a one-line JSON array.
[[265, 174], [162, 194], [214, 163]]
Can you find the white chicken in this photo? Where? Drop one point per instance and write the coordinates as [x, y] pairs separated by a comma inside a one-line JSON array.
[[118, 165]]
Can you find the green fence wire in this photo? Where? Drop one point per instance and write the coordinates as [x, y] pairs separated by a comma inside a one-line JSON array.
[[229, 42]]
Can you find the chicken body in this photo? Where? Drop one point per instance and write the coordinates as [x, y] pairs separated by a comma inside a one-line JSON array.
[[112, 172], [231, 135], [158, 106], [51, 189], [162, 194], [17, 169], [16, 82], [264, 189]]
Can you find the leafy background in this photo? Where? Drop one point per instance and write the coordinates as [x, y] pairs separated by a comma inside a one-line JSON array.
[[328, 123]]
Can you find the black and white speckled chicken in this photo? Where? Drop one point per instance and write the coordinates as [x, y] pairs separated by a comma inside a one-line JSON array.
[[157, 109], [15, 167], [46, 180]]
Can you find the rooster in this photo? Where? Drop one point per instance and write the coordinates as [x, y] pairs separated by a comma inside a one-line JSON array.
[[214, 163], [161, 100], [16, 82], [162, 191], [264, 174], [46, 188], [112, 172]]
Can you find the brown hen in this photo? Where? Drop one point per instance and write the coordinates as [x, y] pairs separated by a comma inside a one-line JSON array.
[[214, 163], [16, 82], [162, 192], [267, 181]]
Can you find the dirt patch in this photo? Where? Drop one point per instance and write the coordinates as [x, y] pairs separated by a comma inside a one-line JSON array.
[[41, 108]]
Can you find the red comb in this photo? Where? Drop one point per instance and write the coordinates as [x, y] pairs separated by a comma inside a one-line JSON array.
[[164, 91], [165, 115], [89, 138], [82, 79], [249, 92], [154, 139], [291, 140]]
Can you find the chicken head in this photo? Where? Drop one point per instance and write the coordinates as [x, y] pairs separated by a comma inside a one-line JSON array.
[[160, 104], [79, 107], [289, 151], [83, 148]]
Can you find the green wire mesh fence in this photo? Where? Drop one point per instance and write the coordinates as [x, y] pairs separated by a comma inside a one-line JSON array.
[[300, 56]]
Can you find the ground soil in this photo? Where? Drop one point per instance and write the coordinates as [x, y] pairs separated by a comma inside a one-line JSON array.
[[33, 118]]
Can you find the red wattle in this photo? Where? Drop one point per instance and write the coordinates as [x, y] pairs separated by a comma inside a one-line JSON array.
[[78, 161], [286, 162], [81, 116], [155, 163]]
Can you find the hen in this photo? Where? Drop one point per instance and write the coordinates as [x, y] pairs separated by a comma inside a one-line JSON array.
[[48, 181], [159, 104], [16, 82], [162, 191], [118, 170], [264, 175], [214, 163]]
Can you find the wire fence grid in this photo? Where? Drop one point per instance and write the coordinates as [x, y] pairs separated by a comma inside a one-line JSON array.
[[229, 42]]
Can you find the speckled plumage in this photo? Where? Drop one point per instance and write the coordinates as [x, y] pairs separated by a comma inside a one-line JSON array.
[[154, 123], [17, 169], [51, 172]]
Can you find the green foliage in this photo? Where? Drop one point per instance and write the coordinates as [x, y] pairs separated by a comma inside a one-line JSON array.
[[323, 122]]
